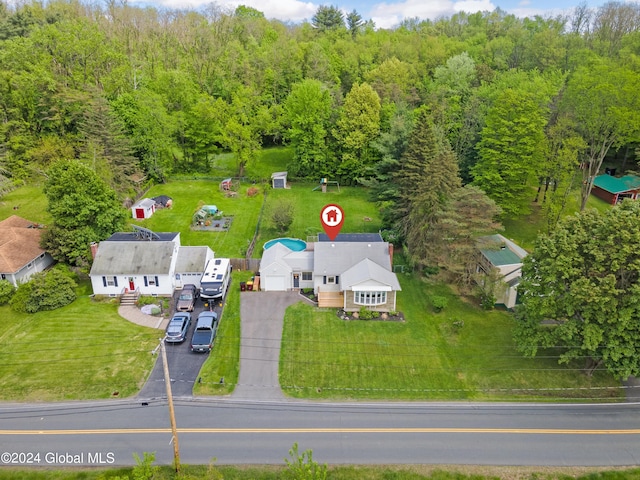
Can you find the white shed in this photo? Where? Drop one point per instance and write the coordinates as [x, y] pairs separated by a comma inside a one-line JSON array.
[[143, 208], [279, 180]]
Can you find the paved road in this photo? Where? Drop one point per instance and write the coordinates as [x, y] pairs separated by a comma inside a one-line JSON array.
[[262, 315], [243, 432]]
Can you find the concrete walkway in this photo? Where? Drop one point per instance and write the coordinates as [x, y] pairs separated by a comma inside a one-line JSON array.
[[134, 315]]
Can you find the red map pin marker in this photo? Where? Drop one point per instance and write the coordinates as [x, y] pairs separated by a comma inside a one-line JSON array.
[[332, 218]]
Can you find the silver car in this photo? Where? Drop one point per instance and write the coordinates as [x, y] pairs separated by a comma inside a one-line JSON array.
[[178, 327]]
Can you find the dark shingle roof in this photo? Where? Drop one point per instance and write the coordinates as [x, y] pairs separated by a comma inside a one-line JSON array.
[[352, 237]]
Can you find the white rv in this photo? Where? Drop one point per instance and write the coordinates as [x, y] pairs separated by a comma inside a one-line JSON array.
[[216, 278]]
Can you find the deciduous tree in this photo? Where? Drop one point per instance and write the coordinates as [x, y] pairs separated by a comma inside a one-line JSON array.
[[603, 100], [84, 210], [580, 289], [510, 151], [357, 127]]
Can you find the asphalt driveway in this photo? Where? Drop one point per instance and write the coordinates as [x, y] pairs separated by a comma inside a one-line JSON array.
[[262, 316]]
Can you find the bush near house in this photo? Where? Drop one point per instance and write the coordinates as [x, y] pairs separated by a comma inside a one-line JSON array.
[[46, 290], [6, 291]]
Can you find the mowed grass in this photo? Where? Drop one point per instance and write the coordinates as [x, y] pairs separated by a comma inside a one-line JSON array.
[[360, 215], [82, 351], [27, 202], [188, 196], [461, 353]]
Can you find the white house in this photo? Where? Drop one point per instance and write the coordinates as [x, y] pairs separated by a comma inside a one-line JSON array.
[[503, 256], [352, 271], [131, 262], [143, 208], [20, 253]]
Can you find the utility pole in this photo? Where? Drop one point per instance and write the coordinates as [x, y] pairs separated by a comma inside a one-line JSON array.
[[172, 414]]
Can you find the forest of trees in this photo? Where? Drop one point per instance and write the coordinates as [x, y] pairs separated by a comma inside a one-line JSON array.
[[452, 125], [137, 94]]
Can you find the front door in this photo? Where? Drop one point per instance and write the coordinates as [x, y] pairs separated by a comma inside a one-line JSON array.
[[296, 280], [132, 287]]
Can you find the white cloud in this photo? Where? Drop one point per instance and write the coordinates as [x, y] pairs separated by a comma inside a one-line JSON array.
[[285, 10], [472, 6], [386, 15]]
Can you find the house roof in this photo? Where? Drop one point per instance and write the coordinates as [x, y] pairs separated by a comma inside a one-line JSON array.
[[284, 256], [19, 243], [144, 203], [278, 174], [352, 237], [368, 271], [192, 259], [501, 251], [334, 258], [133, 258], [617, 185]]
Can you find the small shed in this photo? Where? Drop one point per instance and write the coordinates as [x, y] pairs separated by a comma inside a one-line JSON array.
[[226, 184], [143, 208], [613, 190], [279, 180]]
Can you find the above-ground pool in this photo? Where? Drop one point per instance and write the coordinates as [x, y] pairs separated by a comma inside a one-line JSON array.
[[294, 244]]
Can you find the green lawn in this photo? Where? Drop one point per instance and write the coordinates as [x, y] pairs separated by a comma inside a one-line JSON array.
[[188, 196], [336, 472], [30, 201], [82, 351], [360, 215], [426, 357]]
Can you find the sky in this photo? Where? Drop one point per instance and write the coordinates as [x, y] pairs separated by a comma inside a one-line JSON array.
[[385, 14]]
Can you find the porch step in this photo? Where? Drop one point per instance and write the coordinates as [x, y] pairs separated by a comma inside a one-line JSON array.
[[129, 298]]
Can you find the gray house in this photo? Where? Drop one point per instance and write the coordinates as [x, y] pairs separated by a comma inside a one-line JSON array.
[[350, 272], [20, 253]]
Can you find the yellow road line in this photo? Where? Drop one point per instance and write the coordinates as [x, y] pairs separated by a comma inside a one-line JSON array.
[[141, 431]]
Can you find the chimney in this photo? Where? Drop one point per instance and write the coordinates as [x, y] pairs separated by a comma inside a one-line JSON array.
[[94, 249], [391, 254]]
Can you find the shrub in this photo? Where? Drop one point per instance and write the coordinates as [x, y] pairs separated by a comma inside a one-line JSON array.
[[366, 314], [21, 298], [282, 214], [439, 303], [6, 291], [47, 290], [487, 301]]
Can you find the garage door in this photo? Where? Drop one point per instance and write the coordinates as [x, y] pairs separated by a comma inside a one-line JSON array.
[[276, 283]]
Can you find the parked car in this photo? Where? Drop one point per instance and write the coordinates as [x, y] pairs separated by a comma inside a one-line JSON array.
[[178, 327], [187, 299], [205, 332]]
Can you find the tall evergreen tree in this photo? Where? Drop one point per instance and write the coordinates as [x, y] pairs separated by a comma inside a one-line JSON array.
[[354, 23], [328, 18], [427, 178]]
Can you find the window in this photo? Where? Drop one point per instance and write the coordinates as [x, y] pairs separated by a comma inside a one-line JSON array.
[[307, 276], [370, 298], [150, 281], [110, 281], [331, 279]]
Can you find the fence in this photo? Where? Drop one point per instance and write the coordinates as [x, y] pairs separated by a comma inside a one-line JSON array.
[[252, 264]]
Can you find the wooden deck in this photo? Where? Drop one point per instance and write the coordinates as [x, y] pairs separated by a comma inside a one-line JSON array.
[[330, 299]]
